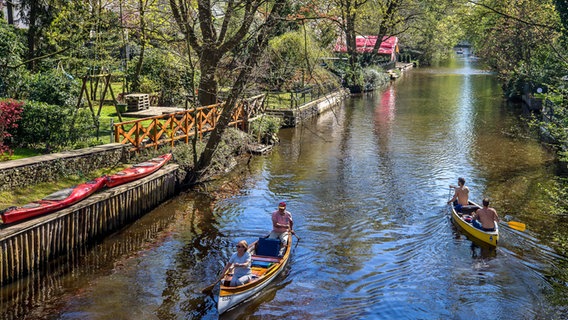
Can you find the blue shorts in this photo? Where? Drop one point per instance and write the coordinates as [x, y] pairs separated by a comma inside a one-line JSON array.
[[478, 225], [458, 207]]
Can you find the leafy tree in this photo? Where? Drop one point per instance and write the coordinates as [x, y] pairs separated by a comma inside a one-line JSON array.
[[265, 32], [292, 59], [11, 67], [509, 35], [161, 72], [213, 30]]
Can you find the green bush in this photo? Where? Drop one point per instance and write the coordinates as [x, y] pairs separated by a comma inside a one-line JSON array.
[[54, 87], [264, 127], [12, 71], [53, 128], [163, 72]]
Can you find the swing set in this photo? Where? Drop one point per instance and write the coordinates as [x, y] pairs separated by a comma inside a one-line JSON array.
[[90, 88]]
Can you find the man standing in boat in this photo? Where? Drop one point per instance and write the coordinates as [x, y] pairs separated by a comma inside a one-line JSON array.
[[461, 194], [281, 223], [485, 218]]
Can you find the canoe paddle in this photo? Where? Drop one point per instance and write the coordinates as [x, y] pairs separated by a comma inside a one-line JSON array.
[[294, 233], [517, 225], [209, 288]]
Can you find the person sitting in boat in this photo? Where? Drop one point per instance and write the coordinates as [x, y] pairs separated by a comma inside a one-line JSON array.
[[485, 218], [461, 194], [282, 223], [241, 262]]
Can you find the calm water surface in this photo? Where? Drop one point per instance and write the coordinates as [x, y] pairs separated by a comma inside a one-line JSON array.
[[367, 186]]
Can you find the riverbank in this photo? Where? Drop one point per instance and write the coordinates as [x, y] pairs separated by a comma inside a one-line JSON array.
[[80, 225]]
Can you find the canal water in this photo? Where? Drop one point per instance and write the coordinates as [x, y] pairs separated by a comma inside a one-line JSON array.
[[367, 185]]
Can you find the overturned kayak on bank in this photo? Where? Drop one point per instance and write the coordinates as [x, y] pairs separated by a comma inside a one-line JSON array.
[[53, 202], [138, 171]]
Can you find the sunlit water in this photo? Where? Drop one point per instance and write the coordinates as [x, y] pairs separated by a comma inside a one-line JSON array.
[[367, 186]]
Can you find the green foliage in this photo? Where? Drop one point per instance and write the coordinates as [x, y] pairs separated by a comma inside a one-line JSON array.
[[374, 76], [53, 87], [265, 125], [90, 42], [52, 128], [514, 45], [162, 72], [11, 53], [293, 58], [354, 77]]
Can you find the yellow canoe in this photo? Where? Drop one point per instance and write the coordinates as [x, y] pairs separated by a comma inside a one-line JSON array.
[[488, 237]]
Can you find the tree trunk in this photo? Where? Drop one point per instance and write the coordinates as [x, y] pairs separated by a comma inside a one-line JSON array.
[[207, 90], [32, 34], [139, 64], [265, 33]]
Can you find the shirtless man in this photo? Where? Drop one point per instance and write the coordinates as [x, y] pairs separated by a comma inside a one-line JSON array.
[[485, 217], [461, 194]]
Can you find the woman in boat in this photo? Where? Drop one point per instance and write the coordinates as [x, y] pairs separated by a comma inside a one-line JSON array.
[[241, 261], [485, 218]]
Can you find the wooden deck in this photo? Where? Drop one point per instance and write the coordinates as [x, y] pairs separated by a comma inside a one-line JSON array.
[[152, 111]]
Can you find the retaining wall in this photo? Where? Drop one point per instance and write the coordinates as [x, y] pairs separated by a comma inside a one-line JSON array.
[[292, 117]]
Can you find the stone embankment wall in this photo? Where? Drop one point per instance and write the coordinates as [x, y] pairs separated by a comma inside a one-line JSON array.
[[25, 172], [292, 117]]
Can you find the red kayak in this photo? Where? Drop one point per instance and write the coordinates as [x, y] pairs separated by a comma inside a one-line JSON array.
[[138, 171], [53, 202]]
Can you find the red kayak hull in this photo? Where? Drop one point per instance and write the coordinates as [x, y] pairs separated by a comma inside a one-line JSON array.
[[55, 201], [138, 171]]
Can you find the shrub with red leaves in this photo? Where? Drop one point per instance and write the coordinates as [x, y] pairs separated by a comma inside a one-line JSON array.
[[10, 113]]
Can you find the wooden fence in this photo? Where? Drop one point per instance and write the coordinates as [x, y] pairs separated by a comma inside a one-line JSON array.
[[167, 129]]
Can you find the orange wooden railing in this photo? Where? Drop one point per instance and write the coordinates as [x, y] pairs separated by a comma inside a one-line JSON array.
[[167, 129]]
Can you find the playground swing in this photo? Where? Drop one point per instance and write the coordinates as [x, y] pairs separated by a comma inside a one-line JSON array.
[[89, 90]]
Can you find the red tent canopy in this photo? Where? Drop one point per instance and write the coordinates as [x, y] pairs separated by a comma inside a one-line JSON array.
[[389, 45]]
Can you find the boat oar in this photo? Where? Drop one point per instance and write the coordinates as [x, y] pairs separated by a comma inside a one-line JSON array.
[[517, 225], [209, 288], [294, 233]]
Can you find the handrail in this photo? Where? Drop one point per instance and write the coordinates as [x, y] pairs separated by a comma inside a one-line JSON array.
[[153, 132]]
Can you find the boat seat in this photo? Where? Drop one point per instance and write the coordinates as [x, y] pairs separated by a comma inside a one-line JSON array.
[[265, 258], [469, 209], [261, 264], [268, 247]]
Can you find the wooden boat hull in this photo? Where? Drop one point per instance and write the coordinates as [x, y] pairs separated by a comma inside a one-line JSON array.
[[138, 171], [55, 201], [230, 297], [487, 237]]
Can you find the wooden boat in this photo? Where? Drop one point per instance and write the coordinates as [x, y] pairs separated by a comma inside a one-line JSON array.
[[463, 220], [138, 171], [53, 202], [266, 266]]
